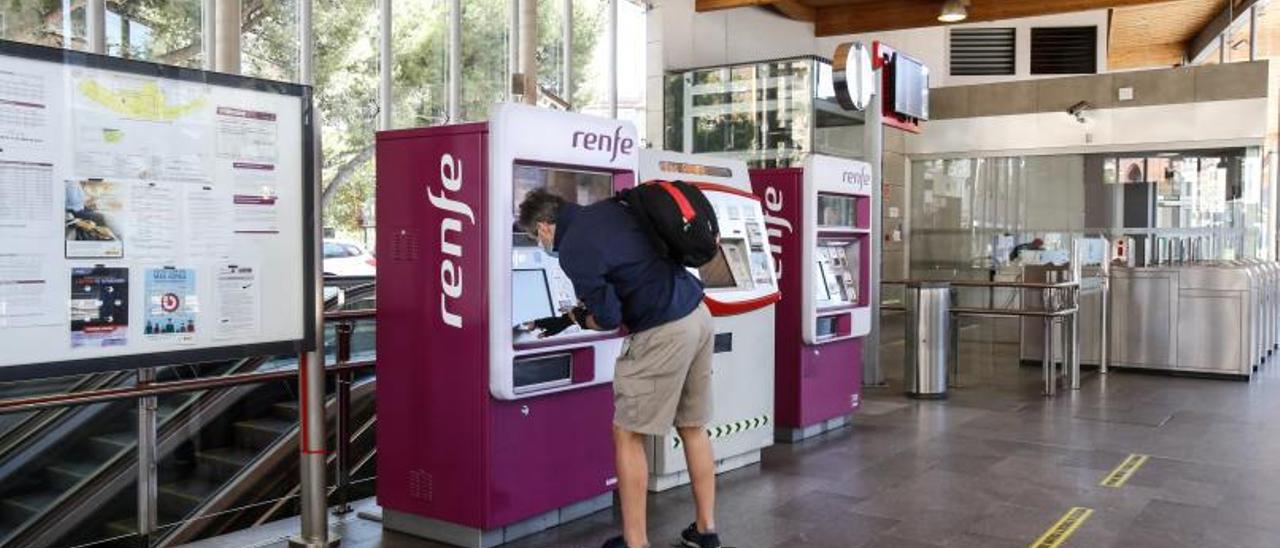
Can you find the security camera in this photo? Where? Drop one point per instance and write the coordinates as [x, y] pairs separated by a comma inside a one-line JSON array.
[[1077, 110]]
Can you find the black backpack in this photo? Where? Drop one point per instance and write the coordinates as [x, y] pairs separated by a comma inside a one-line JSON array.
[[678, 219]]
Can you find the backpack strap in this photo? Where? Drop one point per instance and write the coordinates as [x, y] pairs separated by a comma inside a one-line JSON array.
[[686, 208]]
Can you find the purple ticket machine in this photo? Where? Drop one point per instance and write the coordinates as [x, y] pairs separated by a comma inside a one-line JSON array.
[[818, 219], [487, 433]]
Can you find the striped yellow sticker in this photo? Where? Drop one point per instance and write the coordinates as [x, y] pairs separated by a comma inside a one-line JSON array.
[[1122, 473], [1064, 528]]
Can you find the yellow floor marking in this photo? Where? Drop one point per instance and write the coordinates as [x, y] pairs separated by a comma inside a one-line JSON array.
[[1064, 528], [1122, 473]]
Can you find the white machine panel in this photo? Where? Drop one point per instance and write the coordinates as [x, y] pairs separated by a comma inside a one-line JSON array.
[[834, 245], [591, 157]]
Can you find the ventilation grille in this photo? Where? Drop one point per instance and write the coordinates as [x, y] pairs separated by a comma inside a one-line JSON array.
[[404, 246], [1064, 50], [982, 52]]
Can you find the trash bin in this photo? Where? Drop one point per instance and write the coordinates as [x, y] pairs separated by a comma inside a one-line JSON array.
[[928, 307]]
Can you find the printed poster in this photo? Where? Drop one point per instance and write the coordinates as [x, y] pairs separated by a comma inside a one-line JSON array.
[[99, 307], [236, 297], [172, 305], [95, 219]]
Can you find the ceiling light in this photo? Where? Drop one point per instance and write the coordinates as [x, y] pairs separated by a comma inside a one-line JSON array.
[[954, 11]]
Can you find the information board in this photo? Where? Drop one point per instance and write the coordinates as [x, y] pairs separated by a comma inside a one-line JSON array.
[[149, 215]]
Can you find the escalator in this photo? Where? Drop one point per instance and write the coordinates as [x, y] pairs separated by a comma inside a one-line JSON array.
[[74, 483]]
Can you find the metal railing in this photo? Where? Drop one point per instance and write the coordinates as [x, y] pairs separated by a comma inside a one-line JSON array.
[[1061, 309], [343, 370]]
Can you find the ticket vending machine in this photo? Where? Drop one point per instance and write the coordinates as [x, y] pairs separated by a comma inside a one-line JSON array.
[[741, 292], [487, 433], [818, 221]]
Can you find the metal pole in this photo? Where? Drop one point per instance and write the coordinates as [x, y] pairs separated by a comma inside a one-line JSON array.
[[953, 348], [384, 65], [227, 13], [566, 71], [528, 48], [1046, 364], [147, 482], [613, 59], [209, 34], [95, 19], [872, 373], [313, 501], [455, 61], [1104, 321], [343, 332]]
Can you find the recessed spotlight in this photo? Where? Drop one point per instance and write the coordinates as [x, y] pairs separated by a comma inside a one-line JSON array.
[[954, 11]]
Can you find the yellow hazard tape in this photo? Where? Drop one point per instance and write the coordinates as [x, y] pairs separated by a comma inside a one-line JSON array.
[[1122, 473], [1064, 528]]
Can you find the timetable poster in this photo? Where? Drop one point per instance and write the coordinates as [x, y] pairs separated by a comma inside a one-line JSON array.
[[172, 305], [99, 307]]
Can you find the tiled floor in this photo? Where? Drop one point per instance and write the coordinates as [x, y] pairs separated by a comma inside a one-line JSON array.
[[996, 465]]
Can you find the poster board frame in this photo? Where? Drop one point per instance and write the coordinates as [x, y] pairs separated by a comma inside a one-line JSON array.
[[230, 351]]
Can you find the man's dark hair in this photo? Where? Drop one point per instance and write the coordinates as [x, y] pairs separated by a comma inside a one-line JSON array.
[[539, 206]]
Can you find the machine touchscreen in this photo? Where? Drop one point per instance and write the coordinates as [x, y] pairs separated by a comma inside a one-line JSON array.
[[530, 296], [717, 274]]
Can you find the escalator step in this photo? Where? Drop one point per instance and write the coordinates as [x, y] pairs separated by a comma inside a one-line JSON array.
[[121, 527], [65, 475], [177, 499], [109, 445], [25, 505], [258, 433], [287, 410], [222, 463]]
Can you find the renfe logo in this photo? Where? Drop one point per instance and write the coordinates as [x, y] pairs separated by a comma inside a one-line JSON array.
[[613, 144], [774, 226], [450, 273], [860, 180]]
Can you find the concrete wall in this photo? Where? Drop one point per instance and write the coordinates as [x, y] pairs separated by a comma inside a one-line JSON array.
[[1194, 107]]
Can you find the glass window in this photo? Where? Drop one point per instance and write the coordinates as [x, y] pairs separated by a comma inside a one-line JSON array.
[[1213, 55], [1268, 33], [485, 41], [1238, 44], [551, 47], [269, 43], [164, 32], [346, 65], [420, 53], [42, 22]]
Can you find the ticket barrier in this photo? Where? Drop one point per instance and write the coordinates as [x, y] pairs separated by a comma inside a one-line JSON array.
[[819, 226], [486, 432], [741, 292]]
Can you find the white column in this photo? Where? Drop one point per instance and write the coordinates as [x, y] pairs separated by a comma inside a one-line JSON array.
[[613, 58], [95, 15], [528, 47], [513, 47], [455, 61], [209, 34], [227, 14], [566, 72], [384, 65]]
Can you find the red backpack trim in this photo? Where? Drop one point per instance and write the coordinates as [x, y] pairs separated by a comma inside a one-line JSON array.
[[686, 208]]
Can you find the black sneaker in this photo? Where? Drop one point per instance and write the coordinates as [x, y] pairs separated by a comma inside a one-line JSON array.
[[693, 539], [615, 542]]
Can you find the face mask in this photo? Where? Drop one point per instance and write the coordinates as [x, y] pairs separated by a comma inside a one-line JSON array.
[[549, 249]]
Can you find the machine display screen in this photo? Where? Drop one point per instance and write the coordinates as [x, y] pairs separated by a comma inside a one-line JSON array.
[[530, 296], [729, 269], [579, 187], [836, 210]]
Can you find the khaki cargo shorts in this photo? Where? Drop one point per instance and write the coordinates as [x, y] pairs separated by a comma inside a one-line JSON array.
[[663, 376]]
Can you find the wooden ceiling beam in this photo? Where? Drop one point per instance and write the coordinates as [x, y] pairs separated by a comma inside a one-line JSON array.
[[879, 15], [796, 9]]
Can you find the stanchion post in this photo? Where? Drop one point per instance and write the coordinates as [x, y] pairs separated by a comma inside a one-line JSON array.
[[343, 499], [147, 489]]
